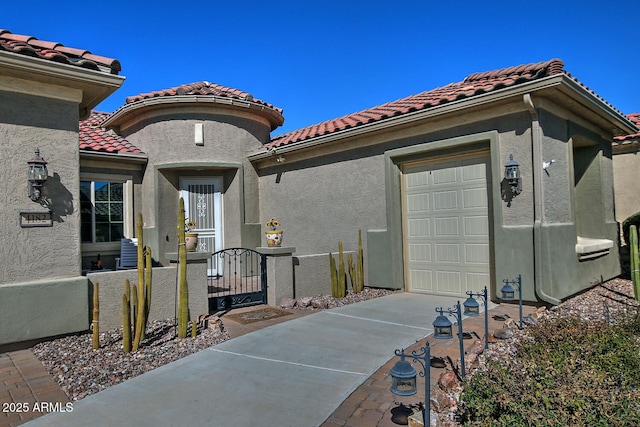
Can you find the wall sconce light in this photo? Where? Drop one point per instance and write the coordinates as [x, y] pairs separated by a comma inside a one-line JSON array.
[[512, 175], [37, 175]]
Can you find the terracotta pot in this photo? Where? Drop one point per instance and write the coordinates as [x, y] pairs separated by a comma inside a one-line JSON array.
[[191, 241], [274, 238]]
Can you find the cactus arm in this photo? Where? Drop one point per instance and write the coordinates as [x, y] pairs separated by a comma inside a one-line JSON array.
[[96, 317], [126, 318], [183, 310]]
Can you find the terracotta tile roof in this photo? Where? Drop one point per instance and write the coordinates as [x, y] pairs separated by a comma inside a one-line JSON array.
[[635, 119], [93, 137], [56, 52], [474, 85], [202, 88]]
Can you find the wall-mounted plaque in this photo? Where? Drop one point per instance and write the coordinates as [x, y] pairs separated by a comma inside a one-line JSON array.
[[35, 219]]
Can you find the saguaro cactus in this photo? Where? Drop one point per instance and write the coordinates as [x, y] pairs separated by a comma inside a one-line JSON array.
[[183, 309], [352, 272], [126, 317], [360, 266], [95, 344], [342, 275], [334, 275]]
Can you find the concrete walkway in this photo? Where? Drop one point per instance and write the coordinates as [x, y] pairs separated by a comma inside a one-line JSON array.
[[295, 373]]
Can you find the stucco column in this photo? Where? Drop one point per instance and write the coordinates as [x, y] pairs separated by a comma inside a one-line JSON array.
[[196, 279], [279, 273]]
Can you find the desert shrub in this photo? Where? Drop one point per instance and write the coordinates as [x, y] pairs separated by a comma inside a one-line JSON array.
[[570, 372]]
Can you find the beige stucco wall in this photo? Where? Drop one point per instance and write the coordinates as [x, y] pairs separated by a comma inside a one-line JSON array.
[[337, 192], [167, 137], [626, 174], [163, 294], [29, 122]]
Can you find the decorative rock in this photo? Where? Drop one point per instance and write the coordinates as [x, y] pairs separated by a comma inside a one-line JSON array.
[[476, 349], [439, 400], [503, 334], [448, 381], [304, 301], [287, 303], [318, 303], [530, 320]]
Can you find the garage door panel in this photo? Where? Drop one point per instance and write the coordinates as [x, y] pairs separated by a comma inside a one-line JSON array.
[[449, 282], [447, 220], [477, 280], [447, 226], [476, 226], [420, 252], [445, 200], [422, 278], [472, 173], [419, 227], [444, 176], [476, 253], [418, 203], [447, 252], [474, 198]]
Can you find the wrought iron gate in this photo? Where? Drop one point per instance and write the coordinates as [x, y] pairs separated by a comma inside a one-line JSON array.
[[241, 279]]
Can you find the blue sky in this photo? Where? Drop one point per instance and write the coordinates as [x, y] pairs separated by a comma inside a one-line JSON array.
[[322, 59]]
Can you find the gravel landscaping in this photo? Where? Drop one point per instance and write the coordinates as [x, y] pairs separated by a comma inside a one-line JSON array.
[[82, 371]]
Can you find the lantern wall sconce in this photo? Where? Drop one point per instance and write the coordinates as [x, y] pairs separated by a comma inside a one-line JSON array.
[[404, 377], [443, 329], [512, 175], [37, 174]]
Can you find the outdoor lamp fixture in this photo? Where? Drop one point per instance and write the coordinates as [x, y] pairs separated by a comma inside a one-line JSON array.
[[404, 377], [512, 175], [37, 175], [472, 308], [442, 328], [509, 292]]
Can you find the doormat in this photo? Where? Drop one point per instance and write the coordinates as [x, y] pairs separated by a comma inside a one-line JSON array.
[[258, 315]]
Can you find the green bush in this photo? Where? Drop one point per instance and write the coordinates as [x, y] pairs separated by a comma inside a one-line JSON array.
[[570, 373], [627, 223]]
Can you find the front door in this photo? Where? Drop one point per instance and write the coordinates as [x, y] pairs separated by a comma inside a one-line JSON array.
[[203, 205]]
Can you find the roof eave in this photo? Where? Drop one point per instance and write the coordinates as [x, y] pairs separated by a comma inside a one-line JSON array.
[[96, 86], [557, 80], [138, 158], [274, 117]]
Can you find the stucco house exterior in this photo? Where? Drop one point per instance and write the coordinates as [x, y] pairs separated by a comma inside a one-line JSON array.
[[626, 177], [423, 179]]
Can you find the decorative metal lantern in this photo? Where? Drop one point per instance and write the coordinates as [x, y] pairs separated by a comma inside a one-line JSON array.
[[471, 307], [512, 175], [508, 292], [442, 327], [37, 174], [404, 378]]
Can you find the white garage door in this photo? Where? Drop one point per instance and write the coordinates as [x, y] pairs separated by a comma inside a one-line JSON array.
[[446, 227]]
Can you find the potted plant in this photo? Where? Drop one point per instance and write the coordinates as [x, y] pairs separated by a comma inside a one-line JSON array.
[[273, 235], [190, 239]]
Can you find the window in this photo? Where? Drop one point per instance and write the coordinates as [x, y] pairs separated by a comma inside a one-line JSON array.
[[102, 211]]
